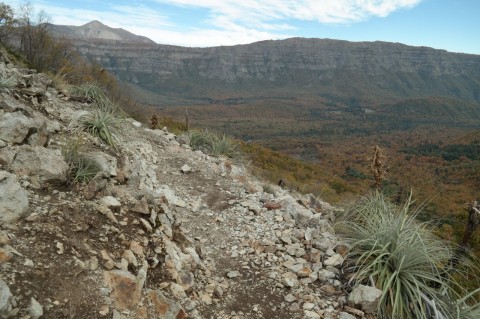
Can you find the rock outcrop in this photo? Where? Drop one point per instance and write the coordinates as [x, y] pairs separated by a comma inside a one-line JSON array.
[[13, 198]]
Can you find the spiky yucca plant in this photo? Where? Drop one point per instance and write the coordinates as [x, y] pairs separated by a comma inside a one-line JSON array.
[[6, 83], [213, 143], [99, 123], [224, 145], [93, 93], [403, 258], [81, 168]]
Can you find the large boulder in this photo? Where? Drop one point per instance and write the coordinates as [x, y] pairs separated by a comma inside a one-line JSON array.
[[165, 308], [13, 198], [7, 155], [5, 300], [34, 84], [9, 104], [14, 127], [126, 288], [366, 298], [298, 212], [42, 164]]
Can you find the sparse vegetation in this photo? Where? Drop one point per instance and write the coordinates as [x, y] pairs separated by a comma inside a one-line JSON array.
[[377, 166], [93, 93], [153, 123], [213, 143], [101, 124], [6, 84], [403, 258], [81, 168], [102, 121], [268, 188]]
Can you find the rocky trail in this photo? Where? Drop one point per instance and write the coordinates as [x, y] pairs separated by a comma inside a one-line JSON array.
[[161, 232]]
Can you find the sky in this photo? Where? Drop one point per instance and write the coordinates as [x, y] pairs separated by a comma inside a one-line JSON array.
[[452, 25]]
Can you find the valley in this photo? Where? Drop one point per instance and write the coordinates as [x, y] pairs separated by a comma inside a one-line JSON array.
[[324, 102]]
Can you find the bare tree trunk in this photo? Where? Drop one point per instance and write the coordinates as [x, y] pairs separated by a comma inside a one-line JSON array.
[[186, 119]]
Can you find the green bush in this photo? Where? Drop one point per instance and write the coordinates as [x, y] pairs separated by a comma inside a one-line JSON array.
[[81, 168], [404, 259], [213, 143]]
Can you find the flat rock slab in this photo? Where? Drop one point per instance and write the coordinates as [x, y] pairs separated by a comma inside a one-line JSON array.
[[44, 165], [13, 198]]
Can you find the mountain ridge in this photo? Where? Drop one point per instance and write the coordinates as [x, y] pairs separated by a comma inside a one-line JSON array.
[[97, 30], [296, 66]]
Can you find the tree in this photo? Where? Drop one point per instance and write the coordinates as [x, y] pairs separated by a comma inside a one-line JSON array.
[[34, 38], [7, 21]]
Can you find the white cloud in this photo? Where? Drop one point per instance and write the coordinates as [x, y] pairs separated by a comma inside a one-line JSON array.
[[227, 22], [324, 11]]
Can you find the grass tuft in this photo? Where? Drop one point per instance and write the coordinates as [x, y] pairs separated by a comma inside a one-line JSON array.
[[213, 143], [81, 168], [7, 83], [93, 93], [99, 123], [403, 258]]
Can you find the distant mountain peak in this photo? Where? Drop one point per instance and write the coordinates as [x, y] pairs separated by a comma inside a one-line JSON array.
[[98, 31], [94, 23]]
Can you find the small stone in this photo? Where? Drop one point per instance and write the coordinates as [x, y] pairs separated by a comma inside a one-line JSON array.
[[4, 239], [290, 298], [137, 248], [35, 310], [104, 310], [272, 206], [289, 279], [5, 255], [308, 306], [130, 257], [28, 263], [5, 297], [146, 224], [109, 264], [366, 297], [177, 290], [107, 212], [304, 272], [206, 299], [165, 308], [141, 207], [218, 292], [325, 275], [311, 314], [330, 290], [186, 169], [60, 248], [233, 274], [345, 315], [335, 260], [111, 202]]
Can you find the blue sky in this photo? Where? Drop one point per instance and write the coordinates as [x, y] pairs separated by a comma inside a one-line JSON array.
[[453, 25]]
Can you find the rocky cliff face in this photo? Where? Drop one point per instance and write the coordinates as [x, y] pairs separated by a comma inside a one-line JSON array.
[[292, 67], [161, 231]]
